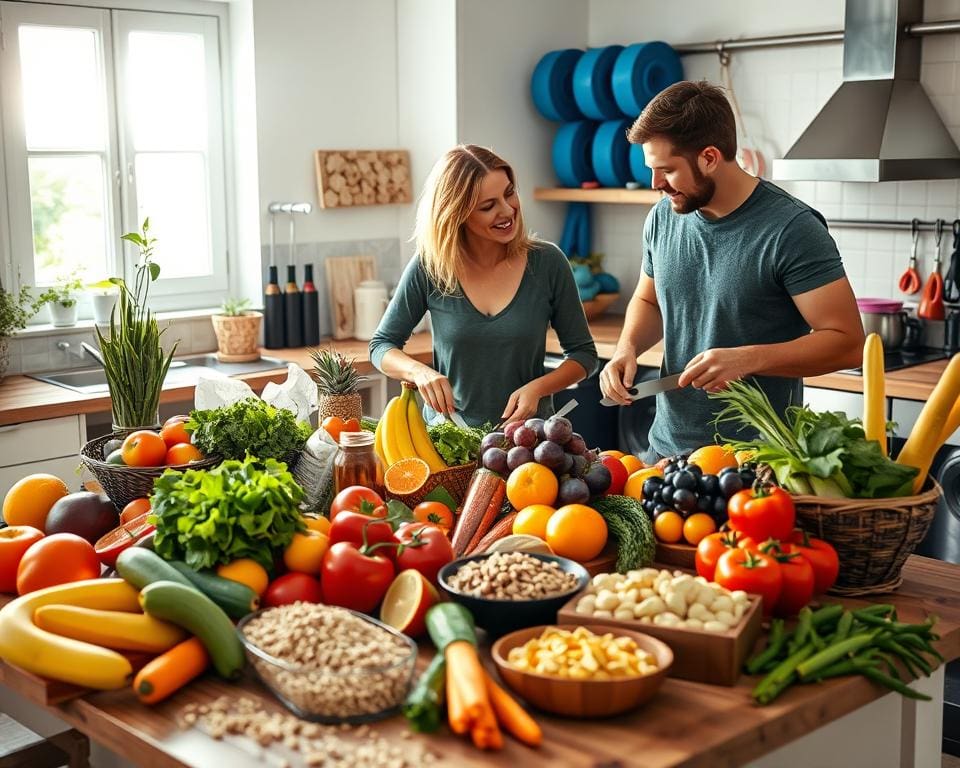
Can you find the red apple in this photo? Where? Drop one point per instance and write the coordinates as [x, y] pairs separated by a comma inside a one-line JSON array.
[[14, 541]]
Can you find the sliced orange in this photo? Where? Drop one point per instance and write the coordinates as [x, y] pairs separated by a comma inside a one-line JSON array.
[[406, 476], [407, 601]]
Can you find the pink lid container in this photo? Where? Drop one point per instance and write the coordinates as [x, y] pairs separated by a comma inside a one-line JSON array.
[[879, 306]]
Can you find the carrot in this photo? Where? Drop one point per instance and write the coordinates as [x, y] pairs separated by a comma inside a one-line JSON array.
[[502, 528], [467, 678], [484, 487], [456, 715], [485, 732], [171, 670], [512, 716], [489, 515]]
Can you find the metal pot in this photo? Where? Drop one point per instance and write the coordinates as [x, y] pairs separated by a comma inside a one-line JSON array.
[[891, 327]]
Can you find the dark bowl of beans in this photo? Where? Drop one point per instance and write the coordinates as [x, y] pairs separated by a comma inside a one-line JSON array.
[[506, 591]]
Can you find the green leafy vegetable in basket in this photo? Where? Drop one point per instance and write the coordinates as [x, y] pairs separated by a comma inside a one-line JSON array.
[[824, 454], [248, 508], [456, 445], [249, 426]]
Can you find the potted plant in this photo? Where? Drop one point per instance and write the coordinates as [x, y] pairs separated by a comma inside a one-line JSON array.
[[15, 310], [238, 332], [133, 360], [337, 381], [103, 296], [62, 300]]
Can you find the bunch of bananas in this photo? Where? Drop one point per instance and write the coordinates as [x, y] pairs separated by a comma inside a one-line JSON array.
[[402, 433]]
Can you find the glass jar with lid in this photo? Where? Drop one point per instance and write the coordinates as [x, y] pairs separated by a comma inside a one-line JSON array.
[[357, 463]]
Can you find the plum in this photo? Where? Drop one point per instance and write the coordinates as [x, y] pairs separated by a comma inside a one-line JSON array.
[[525, 436], [573, 491], [598, 478], [537, 426], [567, 466], [558, 429], [579, 466], [495, 459], [518, 455], [492, 440], [576, 444], [512, 427], [549, 454]]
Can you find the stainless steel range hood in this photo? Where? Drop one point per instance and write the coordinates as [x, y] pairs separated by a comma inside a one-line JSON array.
[[880, 124]]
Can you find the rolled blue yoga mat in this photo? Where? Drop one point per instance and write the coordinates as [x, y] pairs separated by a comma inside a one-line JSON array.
[[571, 153], [640, 72], [638, 168], [592, 87], [552, 85], [611, 153]]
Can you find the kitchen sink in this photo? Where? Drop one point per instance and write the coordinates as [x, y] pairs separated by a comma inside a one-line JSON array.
[[183, 372]]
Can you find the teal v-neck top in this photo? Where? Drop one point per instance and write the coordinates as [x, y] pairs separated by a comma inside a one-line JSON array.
[[487, 357]]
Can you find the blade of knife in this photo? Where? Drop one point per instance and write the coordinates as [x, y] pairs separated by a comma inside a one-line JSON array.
[[648, 388]]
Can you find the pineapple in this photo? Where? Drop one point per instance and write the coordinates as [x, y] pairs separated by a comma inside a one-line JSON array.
[[337, 382]]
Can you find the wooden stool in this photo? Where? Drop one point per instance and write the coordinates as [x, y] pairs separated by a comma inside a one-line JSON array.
[[22, 748]]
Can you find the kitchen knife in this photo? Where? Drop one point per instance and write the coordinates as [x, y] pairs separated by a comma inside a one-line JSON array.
[[647, 388]]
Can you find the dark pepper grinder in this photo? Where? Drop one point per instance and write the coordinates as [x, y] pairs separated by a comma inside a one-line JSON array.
[[273, 320], [293, 309], [311, 309], [951, 332]]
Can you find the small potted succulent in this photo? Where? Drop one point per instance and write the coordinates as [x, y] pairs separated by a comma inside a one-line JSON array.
[[62, 300], [238, 332], [337, 381], [15, 310]]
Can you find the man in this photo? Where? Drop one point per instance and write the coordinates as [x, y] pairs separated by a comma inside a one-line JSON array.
[[739, 279]]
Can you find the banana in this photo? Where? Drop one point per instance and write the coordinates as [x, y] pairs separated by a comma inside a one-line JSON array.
[[391, 451], [25, 645], [378, 442], [402, 427], [421, 438], [111, 629]]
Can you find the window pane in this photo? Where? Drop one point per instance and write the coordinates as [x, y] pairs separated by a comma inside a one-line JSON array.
[[167, 91], [69, 229], [62, 88], [172, 191]]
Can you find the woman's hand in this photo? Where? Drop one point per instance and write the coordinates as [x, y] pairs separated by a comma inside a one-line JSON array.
[[434, 388], [523, 403]]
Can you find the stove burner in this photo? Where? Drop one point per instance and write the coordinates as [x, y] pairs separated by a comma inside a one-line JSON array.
[[895, 360]]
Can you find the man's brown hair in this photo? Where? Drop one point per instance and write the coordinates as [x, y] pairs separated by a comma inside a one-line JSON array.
[[691, 116]]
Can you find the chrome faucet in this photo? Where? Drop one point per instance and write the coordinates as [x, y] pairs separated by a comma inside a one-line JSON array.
[[85, 349]]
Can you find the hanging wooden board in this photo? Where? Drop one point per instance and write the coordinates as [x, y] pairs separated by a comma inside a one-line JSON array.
[[350, 177], [344, 273]]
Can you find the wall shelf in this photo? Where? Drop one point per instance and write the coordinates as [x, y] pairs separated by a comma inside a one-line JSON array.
[[600, 195]]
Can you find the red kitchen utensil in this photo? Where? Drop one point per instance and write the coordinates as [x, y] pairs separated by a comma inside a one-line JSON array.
[[910, 280], [931, 303]]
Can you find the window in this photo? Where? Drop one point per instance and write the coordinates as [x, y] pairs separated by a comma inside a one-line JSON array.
[[109, 117]]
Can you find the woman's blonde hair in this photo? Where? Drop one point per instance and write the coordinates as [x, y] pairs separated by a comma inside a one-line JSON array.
[[449, 196]]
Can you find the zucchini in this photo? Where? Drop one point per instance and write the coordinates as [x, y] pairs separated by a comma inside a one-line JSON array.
[[448, 623], [422, 707], [198, 614], [140, 566], [235, 598]]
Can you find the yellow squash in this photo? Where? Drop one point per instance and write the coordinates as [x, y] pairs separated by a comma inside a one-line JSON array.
[[25, 645], [111, 629], [874, 392], [421, 438]]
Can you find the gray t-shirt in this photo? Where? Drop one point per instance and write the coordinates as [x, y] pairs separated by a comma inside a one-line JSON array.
[[728, 282], [487, 357]]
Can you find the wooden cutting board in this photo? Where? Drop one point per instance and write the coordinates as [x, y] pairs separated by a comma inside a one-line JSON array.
[[344, 273]]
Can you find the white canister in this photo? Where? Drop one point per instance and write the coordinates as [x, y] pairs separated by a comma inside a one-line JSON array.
[[369, 304]]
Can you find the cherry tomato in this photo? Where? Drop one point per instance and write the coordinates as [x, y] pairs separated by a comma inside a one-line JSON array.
[[425, 549], [434, 513], [618, 474], [290, 588], [351, 526], [822, 556], [352, 579], [753, 572], [711, 547], [762, 513], [357, 498]]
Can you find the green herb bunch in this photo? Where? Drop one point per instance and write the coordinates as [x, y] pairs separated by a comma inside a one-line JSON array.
[[134, 361], [248, 508], [16, 309], [456, 445], [248, 426]]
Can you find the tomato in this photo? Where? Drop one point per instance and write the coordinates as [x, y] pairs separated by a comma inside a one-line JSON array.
[[143, 448], [762, 513], [822, 556], [56, 559], [333, 425], [354, 498], [174, 432], [618, 474], [321, 524], [126, 535], [14, 541], [134, 509], [351, 425], [697, 526], [798, 580], [290, 588], [711, 547], [353, 526], [434, 513], [352, 579], [425, 549], [753, 572], [305, 551], [246, 571], [182, 453]]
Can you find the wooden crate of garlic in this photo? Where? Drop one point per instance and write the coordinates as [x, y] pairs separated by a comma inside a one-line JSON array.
[[351, 177]]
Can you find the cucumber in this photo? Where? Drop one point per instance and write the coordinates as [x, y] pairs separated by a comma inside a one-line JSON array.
[[198, 614], [140, 566], [235, 598], [449, 622]]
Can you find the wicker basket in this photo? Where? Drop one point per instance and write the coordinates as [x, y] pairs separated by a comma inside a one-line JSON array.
[[454, 479], [124, 484], [873, 537]]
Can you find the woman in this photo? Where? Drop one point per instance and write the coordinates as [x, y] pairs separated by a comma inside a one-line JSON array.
[[492, 291]]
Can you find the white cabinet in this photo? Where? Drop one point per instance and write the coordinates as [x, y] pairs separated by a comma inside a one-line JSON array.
[[50, 445], [820, 400], [373, 394], [905, 413]]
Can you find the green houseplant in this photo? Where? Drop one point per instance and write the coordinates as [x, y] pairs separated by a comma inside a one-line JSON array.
[[134, 361], [15, 310], [62, 300], [238, 332]]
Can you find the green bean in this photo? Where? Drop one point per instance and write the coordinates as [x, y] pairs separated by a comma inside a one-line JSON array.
[[915, 641], [845, 667], [875, 609], [826, 615], [775, 644], [888, 661], [804, 623], [843, 627], [907, 656], [773, 684], [893, 684], [817, 641], [833, 653]]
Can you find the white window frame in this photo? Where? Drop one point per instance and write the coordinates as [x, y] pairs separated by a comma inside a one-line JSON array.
[[109, 18]]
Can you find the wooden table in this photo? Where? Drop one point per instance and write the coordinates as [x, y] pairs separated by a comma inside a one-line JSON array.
[[687, 724]]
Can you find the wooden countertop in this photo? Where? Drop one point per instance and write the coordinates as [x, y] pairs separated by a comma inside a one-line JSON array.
[[26, 399], [686, 724]]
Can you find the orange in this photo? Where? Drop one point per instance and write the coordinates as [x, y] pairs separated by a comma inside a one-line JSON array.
[[56, 559], [668, 527], [320, 524], [632, 463], [615, 454], [174, 431], [305, 552], [697, 527], [532, 483], [406, 476], [134, 509], [634, 485], [712, 459], [577, 531], [143, 448], [246, 571], [30, 499], [532, 520], [182, 453]]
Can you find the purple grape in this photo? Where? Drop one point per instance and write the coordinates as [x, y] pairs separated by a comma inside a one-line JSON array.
[[598, 478], [591, 456], [518, 456], [495, 459], [579, 466], [512, 427], [492, 440], [576, 445], [525, 436], [537, 426], [558, 429], [573, 491], [549, 454], [567, 465]]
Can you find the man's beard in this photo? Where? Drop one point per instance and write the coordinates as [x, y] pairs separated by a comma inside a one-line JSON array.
[[702, 194]]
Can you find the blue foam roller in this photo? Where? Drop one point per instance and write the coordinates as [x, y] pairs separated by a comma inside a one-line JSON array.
[[571, 153], [611, 153], [552, 85], [607, 282], [638, 168], [640, 72], [592, 87]]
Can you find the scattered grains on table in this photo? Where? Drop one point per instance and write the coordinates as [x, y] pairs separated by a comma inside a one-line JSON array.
[[582, 655], [512, 576]]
